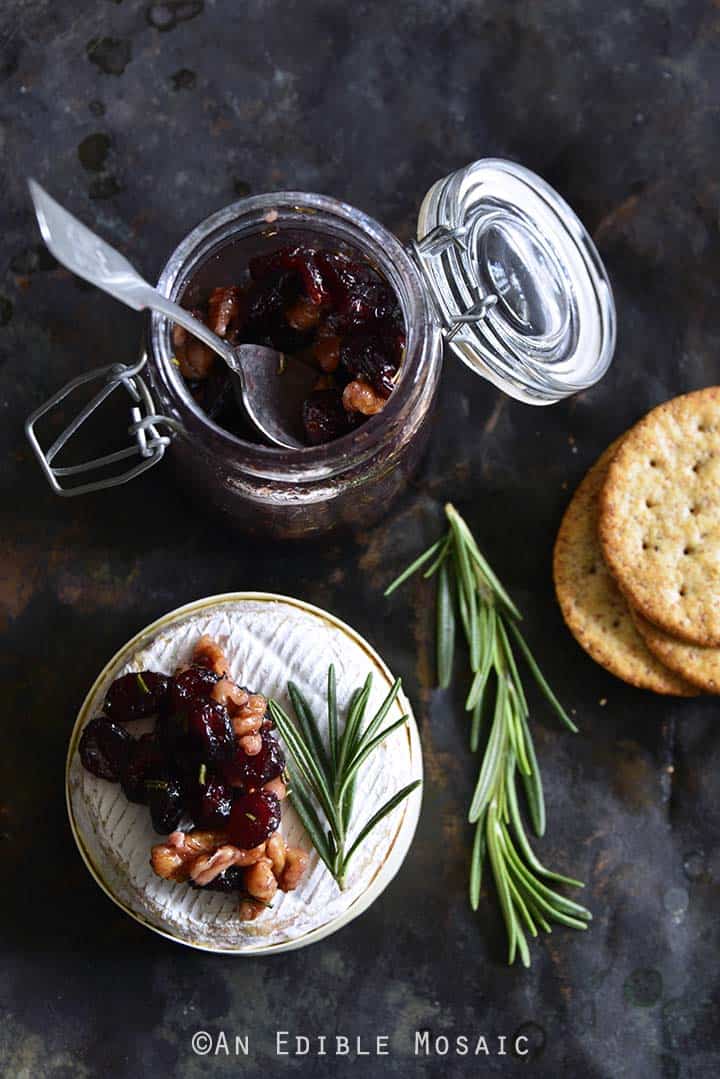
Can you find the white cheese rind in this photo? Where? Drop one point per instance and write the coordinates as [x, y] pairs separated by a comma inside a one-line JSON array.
[[267, 643]]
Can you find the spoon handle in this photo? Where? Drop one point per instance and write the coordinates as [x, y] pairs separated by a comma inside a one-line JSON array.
[[88, 256]]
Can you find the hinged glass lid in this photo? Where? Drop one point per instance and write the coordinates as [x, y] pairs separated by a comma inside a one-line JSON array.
[[521, 291]]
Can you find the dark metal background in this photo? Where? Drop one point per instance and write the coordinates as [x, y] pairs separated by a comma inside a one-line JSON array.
[[143, 119]]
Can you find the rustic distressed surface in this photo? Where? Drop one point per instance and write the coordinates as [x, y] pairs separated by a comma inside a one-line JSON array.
[[143, 118]]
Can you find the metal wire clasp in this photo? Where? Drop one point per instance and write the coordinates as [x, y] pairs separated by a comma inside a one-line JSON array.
[[435, 243], [149, 444]]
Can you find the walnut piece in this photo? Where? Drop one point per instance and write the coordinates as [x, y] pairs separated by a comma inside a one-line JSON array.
[[277, 787], [195, 359], [249, 716], [249, 909], [296, 862], [209, 866], [260, 881], [227, 692], [276, 851], [223, 308], [359, 396], [201, 855], [172, 860], [327, 353], [208, 653], [251, 744]]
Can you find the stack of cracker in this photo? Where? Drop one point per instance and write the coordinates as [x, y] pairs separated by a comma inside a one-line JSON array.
[[637, 557]]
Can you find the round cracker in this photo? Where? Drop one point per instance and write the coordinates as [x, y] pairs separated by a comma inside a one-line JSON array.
[[660, 517], [698, 665], [593, 607]]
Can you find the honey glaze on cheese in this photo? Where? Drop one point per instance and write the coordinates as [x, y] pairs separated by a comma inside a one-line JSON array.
[[266, 643]]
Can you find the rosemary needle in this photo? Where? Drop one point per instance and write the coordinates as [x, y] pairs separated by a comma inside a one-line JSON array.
[[469, 588], [324, 778]]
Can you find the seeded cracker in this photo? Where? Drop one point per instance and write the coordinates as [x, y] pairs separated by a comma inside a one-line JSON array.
[[593, 607], [660, 517], [699, 665]]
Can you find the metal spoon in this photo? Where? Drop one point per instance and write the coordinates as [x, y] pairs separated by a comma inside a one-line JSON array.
[[271, 390]]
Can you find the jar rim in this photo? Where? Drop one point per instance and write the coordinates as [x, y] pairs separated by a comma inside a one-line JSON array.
[[252, 214]]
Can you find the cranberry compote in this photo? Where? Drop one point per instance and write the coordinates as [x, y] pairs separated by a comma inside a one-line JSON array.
[[191, 769], [250, 771], [209, 801], [135, 696], [321, 308], [253, 818], [165, 799], [146, 762], [104, 748]]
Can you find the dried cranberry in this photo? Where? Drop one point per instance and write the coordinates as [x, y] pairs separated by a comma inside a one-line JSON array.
[[368, 302], [324, 417], [230, 880], [135, 696], [267, 323], [209, 803], [146, 761], [193, 684], [299, 260], [372, 357], [165, 798], [198, 733], [104, 747], [253, 818], [247, 771]]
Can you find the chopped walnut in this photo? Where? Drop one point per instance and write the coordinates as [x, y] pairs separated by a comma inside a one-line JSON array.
[[208, 653], [249, 909], [327, 353], [288, 863], [260, 880], [359, 396], [195, 359], [296, 862], [227, 692], [201, 855], [277, 787], [173, 859], [223, 308], [251, 744], [249, 716], [209, 866], [303, 314], [276, 851]]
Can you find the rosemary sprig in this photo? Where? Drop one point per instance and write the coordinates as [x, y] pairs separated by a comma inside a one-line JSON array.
[[323, 778], [468, 587]]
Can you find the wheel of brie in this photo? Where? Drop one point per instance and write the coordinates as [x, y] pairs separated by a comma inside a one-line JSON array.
[[267, 640]]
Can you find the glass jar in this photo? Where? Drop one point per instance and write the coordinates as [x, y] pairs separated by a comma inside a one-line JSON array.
[[502, 271], [295, 493]]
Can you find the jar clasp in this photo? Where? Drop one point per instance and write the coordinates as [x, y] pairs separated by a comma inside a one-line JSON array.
[[149, 443], [438, 240]]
